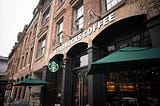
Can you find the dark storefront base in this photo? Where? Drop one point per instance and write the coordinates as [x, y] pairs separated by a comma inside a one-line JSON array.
[[140, 88]]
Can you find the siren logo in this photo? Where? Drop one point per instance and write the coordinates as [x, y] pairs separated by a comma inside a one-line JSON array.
[[53, 66]]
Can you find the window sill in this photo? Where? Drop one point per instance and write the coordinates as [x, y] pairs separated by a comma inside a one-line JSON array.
[[77, 32], [39, 57]]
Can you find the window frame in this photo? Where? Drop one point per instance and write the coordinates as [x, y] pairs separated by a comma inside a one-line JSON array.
[[78, 19], [59, 34], [46, 15], [41, 46]]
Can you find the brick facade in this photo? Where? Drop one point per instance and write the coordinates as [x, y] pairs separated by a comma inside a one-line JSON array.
[[23, 56]]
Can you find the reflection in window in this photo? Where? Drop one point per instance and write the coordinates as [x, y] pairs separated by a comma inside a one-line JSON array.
[[59, 32], [84, 60], [80, 61], [78, 23]]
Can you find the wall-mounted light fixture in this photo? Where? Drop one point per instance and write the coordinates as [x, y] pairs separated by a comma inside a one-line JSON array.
[[63, 65], [92, 15], [66, 35]]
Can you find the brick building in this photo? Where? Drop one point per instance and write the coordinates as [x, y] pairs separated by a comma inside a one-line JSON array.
[[66, 36]]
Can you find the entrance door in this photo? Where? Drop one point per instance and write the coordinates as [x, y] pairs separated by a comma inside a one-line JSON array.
[[81, 92]]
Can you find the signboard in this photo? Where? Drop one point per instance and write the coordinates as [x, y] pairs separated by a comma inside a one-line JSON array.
[[6, 85], [105, 21], [53, 66]]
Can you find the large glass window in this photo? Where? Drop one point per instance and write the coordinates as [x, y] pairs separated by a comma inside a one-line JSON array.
[[132, 87], [60, 31], [41, 46], [78, 22], [111, 3]]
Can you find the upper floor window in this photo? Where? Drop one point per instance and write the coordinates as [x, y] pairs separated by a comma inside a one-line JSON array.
[[31, 53], [111, 3], [22, 62], [35, 29], [45, 16], [26, 59], [41, 46], [78, 18], [61, 1], [59, 31]]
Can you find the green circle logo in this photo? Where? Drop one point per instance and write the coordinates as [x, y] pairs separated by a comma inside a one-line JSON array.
[[53, 66]]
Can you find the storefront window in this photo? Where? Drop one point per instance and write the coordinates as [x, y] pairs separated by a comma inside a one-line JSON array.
[[133, 88], [135, 40]]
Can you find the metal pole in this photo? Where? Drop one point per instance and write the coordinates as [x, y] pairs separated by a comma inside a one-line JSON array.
[[29, 93]]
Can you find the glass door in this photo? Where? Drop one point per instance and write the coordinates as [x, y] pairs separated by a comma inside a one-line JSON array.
[[81, 91]]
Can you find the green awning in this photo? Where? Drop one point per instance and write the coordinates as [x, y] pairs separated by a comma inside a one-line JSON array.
[[129, 58], [30, 82]]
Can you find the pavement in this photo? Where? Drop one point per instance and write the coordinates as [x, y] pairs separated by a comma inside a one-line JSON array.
[[6, 104]]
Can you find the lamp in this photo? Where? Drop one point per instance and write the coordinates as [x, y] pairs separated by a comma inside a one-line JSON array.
[[63, 65], [66, 35], [92, 14]]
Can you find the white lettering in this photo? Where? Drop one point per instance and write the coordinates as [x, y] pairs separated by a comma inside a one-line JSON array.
[[111, 17], [84, 33], [100, 23], [105, 21], [94, 27], [87, 32]]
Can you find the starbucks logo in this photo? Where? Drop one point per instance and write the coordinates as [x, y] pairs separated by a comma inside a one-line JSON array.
[[53, 66]]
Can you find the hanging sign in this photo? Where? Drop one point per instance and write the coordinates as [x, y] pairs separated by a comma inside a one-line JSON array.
[[53, 66]]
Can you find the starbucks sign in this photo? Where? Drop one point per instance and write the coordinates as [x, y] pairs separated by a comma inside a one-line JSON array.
[[53, 66]]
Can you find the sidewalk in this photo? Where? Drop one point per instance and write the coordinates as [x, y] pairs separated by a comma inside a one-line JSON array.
[[5, 104]]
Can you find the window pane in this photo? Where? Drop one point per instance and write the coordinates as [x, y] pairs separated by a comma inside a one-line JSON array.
[[84, 60], [80, 11], [80, 23], [60, 37], [59, 33], [111, 3], [41, 46]]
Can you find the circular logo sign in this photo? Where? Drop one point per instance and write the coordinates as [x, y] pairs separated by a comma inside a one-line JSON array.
[[53, 66], [8, 86]]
